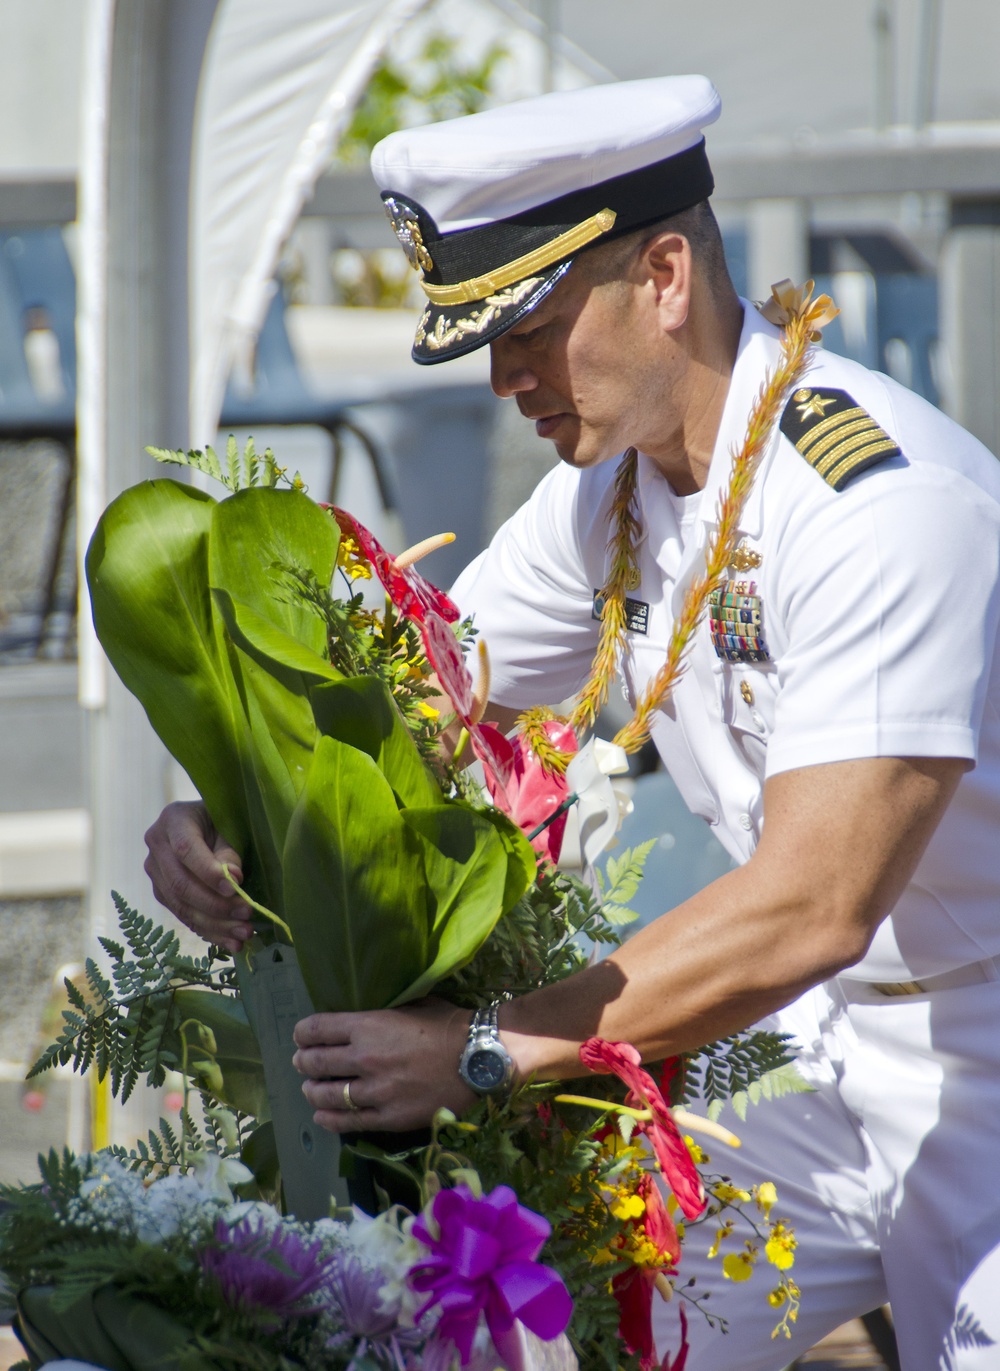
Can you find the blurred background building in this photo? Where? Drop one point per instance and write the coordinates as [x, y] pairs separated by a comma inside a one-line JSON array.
[[860, 147]]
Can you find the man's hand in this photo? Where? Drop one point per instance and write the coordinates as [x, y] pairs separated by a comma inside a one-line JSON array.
[[185, 862], [401, 1066]]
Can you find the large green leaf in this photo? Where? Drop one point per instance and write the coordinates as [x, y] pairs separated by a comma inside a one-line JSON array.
[[361, 711], [383, 903], [258, 533], [296, 666], [355, 893], [522, 864], [147, 568], [465, 864]]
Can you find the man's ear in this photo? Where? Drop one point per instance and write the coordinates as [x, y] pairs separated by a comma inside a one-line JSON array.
[[669, 268]]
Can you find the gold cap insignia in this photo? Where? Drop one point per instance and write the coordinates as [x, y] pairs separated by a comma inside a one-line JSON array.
[[407, 230]]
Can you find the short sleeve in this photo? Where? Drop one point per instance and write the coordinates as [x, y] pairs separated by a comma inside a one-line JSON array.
[[885, 604], [530, 593]]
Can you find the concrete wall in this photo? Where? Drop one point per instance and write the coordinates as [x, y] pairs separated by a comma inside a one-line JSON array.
[[41, 42]]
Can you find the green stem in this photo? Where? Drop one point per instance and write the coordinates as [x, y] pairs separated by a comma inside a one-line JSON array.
[[387, 626], [607, 1106], [185, 1116], [275, 918], [570, 799]]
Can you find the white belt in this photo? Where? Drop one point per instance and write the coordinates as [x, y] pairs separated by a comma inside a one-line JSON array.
[[976, 973]]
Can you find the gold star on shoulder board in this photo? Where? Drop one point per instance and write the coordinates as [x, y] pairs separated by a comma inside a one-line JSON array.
[[813, 404]]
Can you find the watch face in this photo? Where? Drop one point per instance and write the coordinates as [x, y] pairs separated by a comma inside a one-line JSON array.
[[486, 1069]]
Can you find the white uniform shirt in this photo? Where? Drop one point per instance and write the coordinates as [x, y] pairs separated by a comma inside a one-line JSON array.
[[880, 614]]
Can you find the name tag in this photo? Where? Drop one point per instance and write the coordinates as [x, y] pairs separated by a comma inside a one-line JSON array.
[[636, 613]]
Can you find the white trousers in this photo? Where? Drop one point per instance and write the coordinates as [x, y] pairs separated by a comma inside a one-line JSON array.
[[890, 1174]]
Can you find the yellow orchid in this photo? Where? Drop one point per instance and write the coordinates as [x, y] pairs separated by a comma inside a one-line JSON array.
[[781, 1245], [728, 1194], [766, 1197], [738, 1266]]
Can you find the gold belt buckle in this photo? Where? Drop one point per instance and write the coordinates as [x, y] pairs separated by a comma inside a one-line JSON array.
[[892, 988]]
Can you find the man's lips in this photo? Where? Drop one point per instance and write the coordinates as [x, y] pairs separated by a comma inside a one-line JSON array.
[[546, 424]]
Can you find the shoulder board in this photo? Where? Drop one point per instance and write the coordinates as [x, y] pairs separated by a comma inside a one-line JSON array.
[[835, 435]]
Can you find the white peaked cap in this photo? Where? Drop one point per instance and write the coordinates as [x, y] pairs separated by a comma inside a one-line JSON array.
[[494, 165], [491, 209]]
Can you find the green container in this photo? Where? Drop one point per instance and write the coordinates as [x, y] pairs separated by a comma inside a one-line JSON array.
[[107, 1329]]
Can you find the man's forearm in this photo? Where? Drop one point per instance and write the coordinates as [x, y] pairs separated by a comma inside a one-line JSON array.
[[840, 844], [715, 964]]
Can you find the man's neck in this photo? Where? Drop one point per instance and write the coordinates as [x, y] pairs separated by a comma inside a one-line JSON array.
[[698, 399]]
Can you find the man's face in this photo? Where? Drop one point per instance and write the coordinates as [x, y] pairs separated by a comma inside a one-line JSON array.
[[581, 365]]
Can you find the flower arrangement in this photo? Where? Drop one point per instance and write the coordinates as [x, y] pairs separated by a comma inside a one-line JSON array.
[[314, 727], [235, 1283]]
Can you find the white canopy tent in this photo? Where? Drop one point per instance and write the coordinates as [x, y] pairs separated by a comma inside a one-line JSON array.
[[205, 124]]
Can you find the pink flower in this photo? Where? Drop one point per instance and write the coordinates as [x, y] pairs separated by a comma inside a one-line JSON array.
[[671, 1151], [529, 793]]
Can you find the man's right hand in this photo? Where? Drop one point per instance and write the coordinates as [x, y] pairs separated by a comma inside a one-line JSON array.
[[185, 862]]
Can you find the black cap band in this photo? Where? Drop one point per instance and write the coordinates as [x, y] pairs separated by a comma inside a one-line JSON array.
[[637, 198]]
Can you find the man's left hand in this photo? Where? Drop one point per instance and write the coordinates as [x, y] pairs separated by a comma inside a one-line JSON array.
[[401, 1066]]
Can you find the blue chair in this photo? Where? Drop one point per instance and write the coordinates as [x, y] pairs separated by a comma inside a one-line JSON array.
[[280, 397], [36, 278]]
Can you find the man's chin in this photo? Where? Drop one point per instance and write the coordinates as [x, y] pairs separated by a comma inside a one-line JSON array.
[[582, 454]]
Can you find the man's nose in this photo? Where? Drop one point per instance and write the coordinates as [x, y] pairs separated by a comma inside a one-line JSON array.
[[508, 375]]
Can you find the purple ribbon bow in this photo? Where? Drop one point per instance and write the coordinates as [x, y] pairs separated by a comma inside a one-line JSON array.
[[483, 1260]]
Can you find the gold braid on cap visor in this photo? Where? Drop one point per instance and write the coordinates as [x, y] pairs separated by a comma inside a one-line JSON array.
[[480, 286]]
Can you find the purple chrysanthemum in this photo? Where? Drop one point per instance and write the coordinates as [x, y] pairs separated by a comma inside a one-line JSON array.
[[262, 1271], [366, 1321]]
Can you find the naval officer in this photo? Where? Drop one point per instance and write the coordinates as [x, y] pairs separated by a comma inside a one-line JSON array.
[[838, 722]]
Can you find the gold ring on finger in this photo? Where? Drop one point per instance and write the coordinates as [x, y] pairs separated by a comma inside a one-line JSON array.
[[348, 1102]]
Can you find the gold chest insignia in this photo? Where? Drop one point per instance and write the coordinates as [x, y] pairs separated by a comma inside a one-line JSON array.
[[835, 435], [745, 558]]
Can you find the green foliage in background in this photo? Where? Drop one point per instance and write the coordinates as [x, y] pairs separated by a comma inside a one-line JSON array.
[[440, 84]]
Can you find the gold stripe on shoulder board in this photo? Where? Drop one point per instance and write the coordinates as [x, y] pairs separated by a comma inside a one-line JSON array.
[[837, 436]]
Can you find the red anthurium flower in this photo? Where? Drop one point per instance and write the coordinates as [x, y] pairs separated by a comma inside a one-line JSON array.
[[433, 611], [633, 1289], [679, 1362], [448, 660], [530, 793], [657, 1224], [671, 1151], [406, 588]]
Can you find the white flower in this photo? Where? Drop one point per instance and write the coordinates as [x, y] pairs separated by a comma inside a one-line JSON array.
[[602, 805], [217, 1175], [382, 1245], [265, 1215], [169, 1204]]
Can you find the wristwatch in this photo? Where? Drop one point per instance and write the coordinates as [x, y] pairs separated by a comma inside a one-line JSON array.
[[486, 1066]]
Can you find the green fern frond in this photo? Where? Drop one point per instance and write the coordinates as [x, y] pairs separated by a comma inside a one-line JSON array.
[[624, 873], [240, 472], [783, 1080]]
